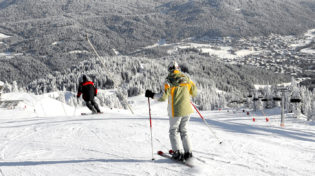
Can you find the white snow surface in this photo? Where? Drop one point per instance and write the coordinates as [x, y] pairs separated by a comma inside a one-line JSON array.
[[5, 54], [116, 52], [8, 55], [309, 37], [78, 51], [55, 43], [308, 50], [42, 136], [223, 52], [2, 36], [219, 51], [257, 86]]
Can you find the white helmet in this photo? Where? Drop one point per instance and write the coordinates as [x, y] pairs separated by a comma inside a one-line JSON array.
[[173, 66]]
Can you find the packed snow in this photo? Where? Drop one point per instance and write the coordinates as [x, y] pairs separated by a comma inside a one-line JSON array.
[[308, 39], [42, 136], [3, 36], [219, 51], [308, 50], [56, 43], [224, 52], [116, 52], [257, 86], [8, 55], [78, 51]]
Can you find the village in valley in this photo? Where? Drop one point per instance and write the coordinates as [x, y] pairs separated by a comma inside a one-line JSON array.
[[282, 54], [288, 55]]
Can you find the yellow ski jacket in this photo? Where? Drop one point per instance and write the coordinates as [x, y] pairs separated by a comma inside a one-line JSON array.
[[178, 90]]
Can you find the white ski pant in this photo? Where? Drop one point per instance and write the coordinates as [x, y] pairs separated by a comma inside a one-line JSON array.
[[178, 134]]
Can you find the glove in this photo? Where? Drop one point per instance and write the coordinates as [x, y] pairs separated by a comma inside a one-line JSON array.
[[149, 94]]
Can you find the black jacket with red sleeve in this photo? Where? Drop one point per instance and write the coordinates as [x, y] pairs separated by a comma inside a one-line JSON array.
[[88, 90]]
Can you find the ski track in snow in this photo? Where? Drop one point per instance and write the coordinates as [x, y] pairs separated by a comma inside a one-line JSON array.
[[118, 143]]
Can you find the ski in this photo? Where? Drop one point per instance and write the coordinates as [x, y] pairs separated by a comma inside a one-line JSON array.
[[169, 156]]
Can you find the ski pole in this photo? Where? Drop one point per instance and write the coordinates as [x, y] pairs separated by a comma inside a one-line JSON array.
[[204, 120], [129, 106], [150, 126]]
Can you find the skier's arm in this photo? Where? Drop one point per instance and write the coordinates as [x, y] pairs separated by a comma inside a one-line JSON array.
[[95, 90], [193, 89], [162, 96]]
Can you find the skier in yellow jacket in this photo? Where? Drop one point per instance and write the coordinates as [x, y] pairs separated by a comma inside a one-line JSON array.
[[178, 90]]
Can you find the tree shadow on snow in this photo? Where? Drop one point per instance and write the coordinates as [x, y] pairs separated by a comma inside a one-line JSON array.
[[260, 130], [37, 163]]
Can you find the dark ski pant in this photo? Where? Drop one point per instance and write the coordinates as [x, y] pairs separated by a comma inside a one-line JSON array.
[[92, 105]]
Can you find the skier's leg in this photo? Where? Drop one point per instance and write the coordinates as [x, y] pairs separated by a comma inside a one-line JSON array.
[[174, 133], [95, 105], [90, 106], [184, 134]]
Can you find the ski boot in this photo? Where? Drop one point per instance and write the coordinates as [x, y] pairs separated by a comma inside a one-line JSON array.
[[187, 155], [178, 156]]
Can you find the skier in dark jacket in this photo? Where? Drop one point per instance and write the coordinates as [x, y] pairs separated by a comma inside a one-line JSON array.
[[89, 91]]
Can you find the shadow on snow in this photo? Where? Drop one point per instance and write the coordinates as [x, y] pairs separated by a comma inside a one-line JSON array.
[[50, 121], [37, 163], [259, 130]]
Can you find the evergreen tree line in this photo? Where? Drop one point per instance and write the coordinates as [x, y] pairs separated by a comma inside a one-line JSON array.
[[218, 83], [135, 74]]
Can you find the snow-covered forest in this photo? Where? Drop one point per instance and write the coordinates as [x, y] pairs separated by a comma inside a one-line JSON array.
[[219, 85]]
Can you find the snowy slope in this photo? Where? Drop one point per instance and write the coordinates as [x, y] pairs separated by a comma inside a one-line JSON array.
[[306, 42], [49, 141], [3, 36]]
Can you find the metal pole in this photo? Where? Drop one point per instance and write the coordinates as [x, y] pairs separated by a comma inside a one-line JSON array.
[[204, 120], [150, 127], [282, 109], [255, 101]]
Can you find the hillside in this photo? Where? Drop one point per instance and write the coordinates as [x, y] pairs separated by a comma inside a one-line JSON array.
[[133, 75], [51, 35], [46, 137]]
